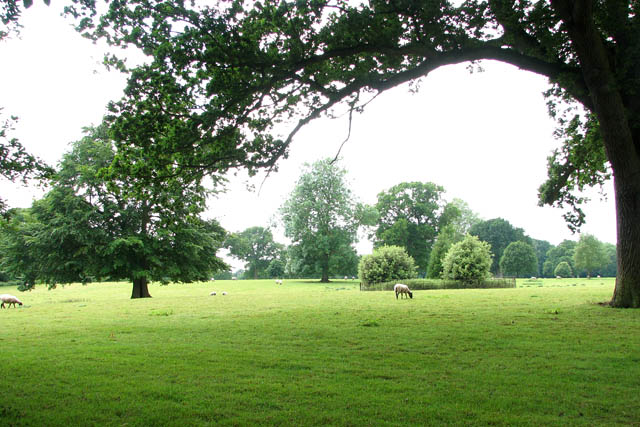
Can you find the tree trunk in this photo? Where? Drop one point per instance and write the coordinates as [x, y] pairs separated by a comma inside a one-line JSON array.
[[620, 146], [140, 288], [627, 291], [325, 270]]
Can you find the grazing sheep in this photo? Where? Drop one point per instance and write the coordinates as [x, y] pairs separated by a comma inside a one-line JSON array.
[[402, 290], [9, 299], [224, 293], [278, 281], [213, 293]]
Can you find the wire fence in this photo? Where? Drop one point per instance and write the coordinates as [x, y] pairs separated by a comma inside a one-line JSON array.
[[430, 284]]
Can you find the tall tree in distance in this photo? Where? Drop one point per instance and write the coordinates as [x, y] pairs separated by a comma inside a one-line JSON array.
[[589, 254], [321, 217], [499, 233], [256, 247], [411, 215], [519, 260]]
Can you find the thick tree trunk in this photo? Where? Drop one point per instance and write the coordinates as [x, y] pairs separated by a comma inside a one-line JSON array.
[[140, 288], [618, 139], [627, 291]]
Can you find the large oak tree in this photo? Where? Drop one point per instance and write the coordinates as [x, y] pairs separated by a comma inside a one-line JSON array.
[[225, 75], [88, 226]]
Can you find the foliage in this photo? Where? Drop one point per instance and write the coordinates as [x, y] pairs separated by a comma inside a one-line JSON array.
[[88, 227], [276, 268], [15, 162], [18, 235], [385, 264], [563, 269], [256, 246], [611, 269], [446, 238], [320, 217], [548, 269], [499, 233], [468, 261], [465, 217], [589, 254], [580, 163], [519, 260], [563, 252], [411, 215], [541, 248]]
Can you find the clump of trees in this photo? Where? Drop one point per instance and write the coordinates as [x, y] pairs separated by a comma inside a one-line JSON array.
[[385, 264], [411, 214], [256, 247]]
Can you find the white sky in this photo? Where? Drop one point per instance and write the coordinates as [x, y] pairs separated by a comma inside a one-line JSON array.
[[484, 137]]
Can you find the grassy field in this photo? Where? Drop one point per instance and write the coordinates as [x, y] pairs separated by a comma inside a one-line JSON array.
[[306, 353]]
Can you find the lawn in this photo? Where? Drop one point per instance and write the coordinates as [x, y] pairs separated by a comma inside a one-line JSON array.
[[304, 353]]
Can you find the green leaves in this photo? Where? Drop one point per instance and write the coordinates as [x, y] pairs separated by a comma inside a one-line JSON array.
[[320, 216], [468, 261], [580, 163], [410, 215]]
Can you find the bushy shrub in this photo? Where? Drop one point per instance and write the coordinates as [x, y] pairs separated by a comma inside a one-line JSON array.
[[386, 264], [563, 270], [468, 261]]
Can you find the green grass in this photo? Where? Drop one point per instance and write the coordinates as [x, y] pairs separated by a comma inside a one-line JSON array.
[[313, 354]]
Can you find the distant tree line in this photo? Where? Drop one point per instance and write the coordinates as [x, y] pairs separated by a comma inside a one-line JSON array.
[[322, 217]]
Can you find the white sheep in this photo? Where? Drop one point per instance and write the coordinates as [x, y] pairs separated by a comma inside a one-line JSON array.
[[213, 293], [278, 281], [401, 289], [9, 299], [224, 293]]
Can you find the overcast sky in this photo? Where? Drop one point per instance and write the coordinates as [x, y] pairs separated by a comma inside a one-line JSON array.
[[484, 137]]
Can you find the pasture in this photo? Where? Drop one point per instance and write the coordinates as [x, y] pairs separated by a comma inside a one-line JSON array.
[[305, 353]]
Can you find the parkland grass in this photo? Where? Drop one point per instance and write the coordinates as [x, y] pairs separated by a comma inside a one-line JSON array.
[[305, 353]]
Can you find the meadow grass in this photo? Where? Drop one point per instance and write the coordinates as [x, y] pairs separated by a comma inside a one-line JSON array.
[[306, 353]]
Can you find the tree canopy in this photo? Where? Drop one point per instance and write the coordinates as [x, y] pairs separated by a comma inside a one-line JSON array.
[[256, 246], [589, 254], [321, 217], [499, 233], [411, 215], [519, 260], [88, 228]]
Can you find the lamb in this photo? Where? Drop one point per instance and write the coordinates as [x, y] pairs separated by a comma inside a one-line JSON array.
[[278, 281], [212, 293], [9, 299], [403, 290]]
